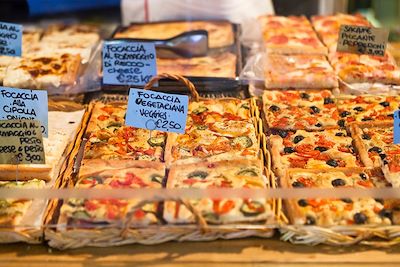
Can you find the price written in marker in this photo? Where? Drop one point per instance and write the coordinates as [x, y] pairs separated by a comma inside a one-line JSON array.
[[362, 40], [157, 111], [24, 104], [396, 127], [21, 142], [10, 39], [128, 63]]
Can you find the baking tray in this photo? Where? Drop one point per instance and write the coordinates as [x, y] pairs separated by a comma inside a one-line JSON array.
[[203, 84]]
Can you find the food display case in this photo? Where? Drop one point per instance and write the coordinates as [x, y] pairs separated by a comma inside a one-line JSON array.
[[290, 151]]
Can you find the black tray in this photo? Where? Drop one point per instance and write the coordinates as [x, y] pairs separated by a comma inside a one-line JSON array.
[[203, 84]]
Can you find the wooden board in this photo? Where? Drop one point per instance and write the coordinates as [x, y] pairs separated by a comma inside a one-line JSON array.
[[246, 252]]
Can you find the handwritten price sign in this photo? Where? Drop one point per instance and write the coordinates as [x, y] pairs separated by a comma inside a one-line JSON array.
[[128, 63], [10, 39], [157, 111], [21, 142]]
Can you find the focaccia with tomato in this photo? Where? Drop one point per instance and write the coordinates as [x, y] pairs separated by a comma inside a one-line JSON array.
[[375, 145], [298, 72], [290, 35], [222, 174], [312, 150], [334, 212]]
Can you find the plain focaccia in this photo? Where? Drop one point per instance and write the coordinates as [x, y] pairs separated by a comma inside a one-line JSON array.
[[110, 139], [43, 72], [353, 68], [366, 108], [332, 212], [13, 210], [225, 174], [220, 33], [311, 150], [221, 65], [374, 141], [61, 132], [77, 39], [300, 110], [77, 212], [299, 72], [290, 35]]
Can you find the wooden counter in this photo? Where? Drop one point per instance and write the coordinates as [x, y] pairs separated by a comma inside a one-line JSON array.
[[246, 252]]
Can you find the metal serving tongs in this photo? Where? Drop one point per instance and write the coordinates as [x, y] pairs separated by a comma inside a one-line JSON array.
[[188, 44]]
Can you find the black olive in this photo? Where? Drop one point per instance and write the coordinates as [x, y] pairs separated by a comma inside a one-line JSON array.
[[298, 138], [314, 110], [384, 104], [382, 155], [338, 182], [366, 137], [339, 134], [328, 100], [363, 176], [318, 125], [304, 95], [282, 133], [347, 200], [302, 203], [379, 200], [332, 163], [390, 115], [274, 108], [366, 119], [297, 184], [375, 149], [341, 123], [288, 150], [321, 148], [386, 213], [359, 109], [344, 114], [360, 218], [310, 220]]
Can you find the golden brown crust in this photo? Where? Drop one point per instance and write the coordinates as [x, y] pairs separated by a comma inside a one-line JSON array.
[[275, 145], [25, 172], [356, 133]]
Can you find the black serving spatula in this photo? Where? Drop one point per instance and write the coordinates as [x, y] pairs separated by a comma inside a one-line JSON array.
[[188, 44]]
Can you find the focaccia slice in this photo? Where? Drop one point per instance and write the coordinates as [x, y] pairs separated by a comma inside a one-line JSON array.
[[62, 129], [374, 142], [222, 65], [212, 142], [333, 212], [290, 35], [312, 150], [12, 211], [106, 212], [354, 68], [299, 72], [110, 139], [220, 33], [299, 109], [222, 174], [43, 72], [328, 27], [366, 108]]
